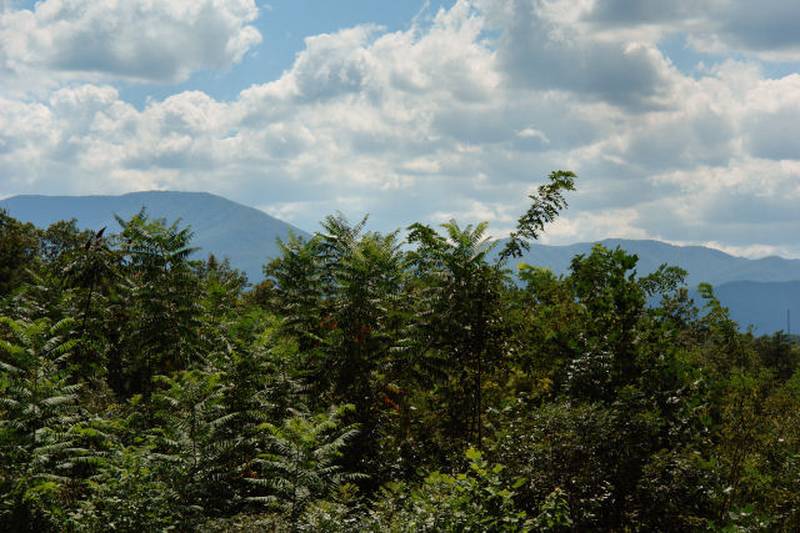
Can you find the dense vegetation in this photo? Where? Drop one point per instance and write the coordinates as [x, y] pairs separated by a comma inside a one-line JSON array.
[[380, 383]]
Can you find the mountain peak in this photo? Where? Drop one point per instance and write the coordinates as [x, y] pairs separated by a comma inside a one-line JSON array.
[[246, 235]]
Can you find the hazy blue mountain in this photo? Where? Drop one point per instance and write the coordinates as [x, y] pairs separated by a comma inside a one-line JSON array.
[[762, 305], [703, 264], [245, 235], [758, 291]]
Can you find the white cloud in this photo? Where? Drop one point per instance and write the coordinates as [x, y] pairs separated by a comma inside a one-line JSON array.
[[766, 30], [456, 118], [754, 251], [542, 47], [145, 40], [596, 225]]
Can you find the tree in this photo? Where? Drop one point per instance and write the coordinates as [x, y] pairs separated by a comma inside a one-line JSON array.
[[480, 498], [340, 296], [297, 293], [545, 206], [60, 240], [193, 437], [459, 319], [157, 312], [19, 248], [39, 454], [605, 285], [92, 271], [301, 460]]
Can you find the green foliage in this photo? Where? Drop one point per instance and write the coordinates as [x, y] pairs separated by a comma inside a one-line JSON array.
[[545, 207], [300, 462], [39, 416], [19, 247], [90, 270], [554, 514], [459, 332], [130, 493], [143, 390], [159, 299], [479, 499], [190, 435]]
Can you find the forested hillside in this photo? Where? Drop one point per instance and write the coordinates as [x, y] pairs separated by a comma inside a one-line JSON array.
[[702, 264], [247, 237], [227, 229], [373, 383]]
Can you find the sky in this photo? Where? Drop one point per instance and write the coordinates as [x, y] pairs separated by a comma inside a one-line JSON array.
[[681, 118]]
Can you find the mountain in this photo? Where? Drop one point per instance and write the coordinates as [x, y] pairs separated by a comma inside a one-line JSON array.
[[762, 305], [703, 264], [245, 235], [757, 291]]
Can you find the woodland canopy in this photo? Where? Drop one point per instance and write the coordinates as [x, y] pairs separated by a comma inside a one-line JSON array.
[[407, 381]]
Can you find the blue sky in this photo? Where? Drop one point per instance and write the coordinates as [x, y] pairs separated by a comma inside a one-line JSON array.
[[681, 118]]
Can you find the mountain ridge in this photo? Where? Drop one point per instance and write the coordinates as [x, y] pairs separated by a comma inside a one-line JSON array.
[[758, 291], [702, 263], [246, 235]]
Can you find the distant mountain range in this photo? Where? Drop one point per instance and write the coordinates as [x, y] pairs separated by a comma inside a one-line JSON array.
[[703, 264], [245, 235], [758, 291], [763, 305]]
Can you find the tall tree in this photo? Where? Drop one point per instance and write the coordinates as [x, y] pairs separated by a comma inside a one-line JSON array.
[[38, 410], [159, 302], [19, 248], [459, 319]]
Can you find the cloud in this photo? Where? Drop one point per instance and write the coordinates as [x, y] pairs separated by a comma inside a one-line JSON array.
[[461, 116], [764, 30], [137, 40], [622, 13], [772, 115], [595, 226], [539, 51]]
